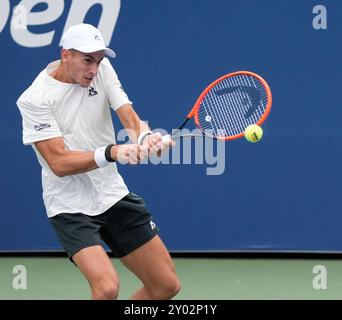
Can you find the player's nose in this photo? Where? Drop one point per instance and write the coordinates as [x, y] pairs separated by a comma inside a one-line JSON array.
[[93, 70]]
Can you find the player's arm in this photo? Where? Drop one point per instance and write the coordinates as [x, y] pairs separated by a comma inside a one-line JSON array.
[[131, 121], [64, 162], [137, 128]]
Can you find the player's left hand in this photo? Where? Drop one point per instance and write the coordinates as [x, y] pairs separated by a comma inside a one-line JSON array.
[[155, 144]]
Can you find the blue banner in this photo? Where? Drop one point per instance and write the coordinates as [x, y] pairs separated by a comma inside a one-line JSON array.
[[281, 194]]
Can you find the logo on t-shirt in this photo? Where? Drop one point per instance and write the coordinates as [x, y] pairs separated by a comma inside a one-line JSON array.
[[41, 126], [92, 92]]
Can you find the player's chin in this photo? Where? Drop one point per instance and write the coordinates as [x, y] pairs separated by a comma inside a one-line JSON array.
[[85, 82]]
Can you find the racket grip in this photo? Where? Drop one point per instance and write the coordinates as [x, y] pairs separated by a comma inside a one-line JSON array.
[[166, 139]]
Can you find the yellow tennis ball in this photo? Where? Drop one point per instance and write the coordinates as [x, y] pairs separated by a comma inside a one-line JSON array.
[[253, 133]]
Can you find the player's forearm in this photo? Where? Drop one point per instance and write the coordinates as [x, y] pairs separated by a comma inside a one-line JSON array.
[[132, 123], [142, 127], [72, 162], [135, 128], [64, 163]]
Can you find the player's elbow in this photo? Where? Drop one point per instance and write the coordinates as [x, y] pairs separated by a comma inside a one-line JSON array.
[[54, 153], [58, 163], [57, 166], [57, 170], [60, 174]]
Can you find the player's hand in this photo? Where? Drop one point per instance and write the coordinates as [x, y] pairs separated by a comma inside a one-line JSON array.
[[130, 153], [155, 144]]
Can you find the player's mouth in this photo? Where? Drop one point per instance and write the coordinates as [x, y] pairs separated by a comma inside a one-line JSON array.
[[88, 79]]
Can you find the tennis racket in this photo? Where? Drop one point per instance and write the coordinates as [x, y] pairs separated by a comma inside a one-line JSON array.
[[228, 106]]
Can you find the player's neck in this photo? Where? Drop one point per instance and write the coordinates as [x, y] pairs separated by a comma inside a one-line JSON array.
[[61, 74]]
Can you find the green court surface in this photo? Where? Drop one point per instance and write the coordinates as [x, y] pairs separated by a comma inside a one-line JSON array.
[[56, 278]]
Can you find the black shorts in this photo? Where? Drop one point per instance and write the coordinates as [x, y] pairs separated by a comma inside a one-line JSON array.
[[124, 227]]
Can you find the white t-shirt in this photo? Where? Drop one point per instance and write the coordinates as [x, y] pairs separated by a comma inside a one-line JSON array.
[[49, 109]]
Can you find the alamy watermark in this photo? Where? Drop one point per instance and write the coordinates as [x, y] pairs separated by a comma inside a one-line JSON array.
[[320, 281], [320, 21], [197, 150], [19, 281]]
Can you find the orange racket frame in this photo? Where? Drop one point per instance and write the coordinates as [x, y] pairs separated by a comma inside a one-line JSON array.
[[194, 111]]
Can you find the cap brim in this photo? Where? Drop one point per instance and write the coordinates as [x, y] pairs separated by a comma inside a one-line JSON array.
[[90, 49], [110, 53]]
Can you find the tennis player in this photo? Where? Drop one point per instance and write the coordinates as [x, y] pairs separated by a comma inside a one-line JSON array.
[[67, 120]]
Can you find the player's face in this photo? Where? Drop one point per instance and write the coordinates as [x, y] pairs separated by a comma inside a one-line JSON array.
[[83, 67]]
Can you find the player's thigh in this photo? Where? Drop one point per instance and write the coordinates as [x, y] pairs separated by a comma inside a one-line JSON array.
[[151, 263], [96, 266]]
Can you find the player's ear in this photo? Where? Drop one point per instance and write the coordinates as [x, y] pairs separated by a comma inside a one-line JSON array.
[[65, 54]]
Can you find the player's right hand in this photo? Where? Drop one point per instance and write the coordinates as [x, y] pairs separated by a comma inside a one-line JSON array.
[[130, 153]]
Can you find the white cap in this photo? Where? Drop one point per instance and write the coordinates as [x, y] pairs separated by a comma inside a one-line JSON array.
[[85, 38]]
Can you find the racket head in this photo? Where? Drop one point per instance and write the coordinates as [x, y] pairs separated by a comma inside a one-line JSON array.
[[231, 103]]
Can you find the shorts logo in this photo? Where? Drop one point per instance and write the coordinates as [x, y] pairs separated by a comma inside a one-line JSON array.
[[41, 126], [153, 225]]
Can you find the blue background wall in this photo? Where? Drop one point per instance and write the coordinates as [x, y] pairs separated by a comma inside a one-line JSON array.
[[282, 194]]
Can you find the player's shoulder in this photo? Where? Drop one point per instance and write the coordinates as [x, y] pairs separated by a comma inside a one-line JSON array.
[[106, 66], [105, 62], [35, 93]]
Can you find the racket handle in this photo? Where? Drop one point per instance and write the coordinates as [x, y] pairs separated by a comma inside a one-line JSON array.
[[166, 139]]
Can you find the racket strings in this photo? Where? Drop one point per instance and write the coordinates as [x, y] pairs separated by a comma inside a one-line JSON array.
[[261, 108], [232, 104]]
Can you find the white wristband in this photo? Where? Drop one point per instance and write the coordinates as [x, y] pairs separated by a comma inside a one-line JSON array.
[[143, 135], [100, 157]]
